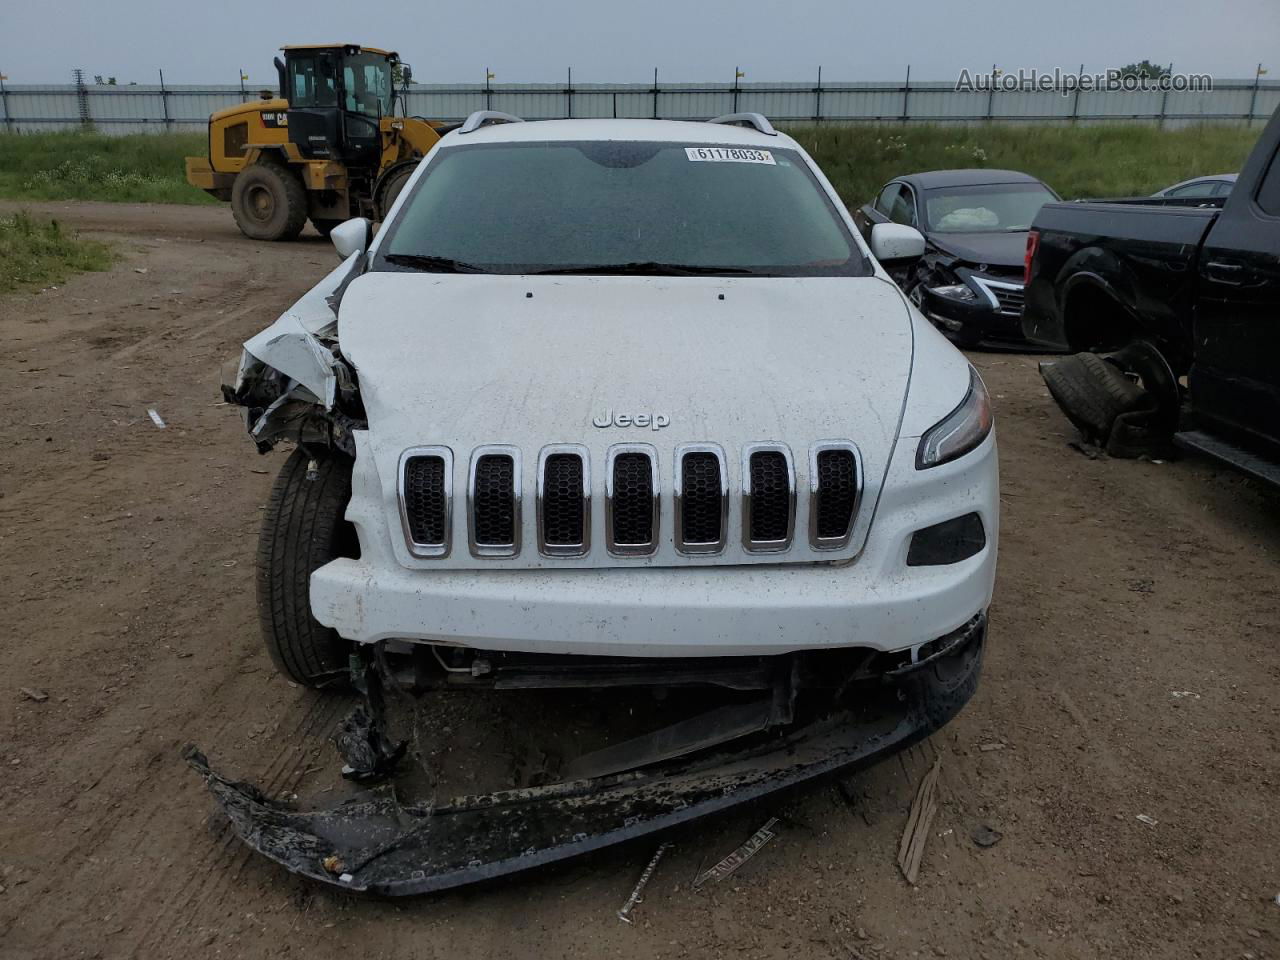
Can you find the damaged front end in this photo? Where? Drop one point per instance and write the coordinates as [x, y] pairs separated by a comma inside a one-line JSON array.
[[293, 382], [787, 720]]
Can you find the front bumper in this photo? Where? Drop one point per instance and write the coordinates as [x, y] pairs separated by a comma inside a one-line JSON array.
[[993, 316], [876, 601], [380, 846]]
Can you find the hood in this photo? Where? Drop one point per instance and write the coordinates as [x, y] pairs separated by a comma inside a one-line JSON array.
[[464, 361], [995, 249]]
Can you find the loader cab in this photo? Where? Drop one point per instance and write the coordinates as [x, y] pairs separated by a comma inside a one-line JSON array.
[[337, 96]]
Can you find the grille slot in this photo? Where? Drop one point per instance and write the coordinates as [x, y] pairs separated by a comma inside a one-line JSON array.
[[426, 489], [564, 501], [836, 483], [768, 498], [632, 494], [701, 499], [1010, 301], [493, 493]]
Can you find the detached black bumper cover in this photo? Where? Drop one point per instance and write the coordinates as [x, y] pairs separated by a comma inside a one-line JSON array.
[[387, 848]]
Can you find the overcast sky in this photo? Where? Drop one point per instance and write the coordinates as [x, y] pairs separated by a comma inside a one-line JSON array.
[[448, 41]]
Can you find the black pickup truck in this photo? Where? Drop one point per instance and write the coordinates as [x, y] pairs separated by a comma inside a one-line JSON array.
[[1173, 310]]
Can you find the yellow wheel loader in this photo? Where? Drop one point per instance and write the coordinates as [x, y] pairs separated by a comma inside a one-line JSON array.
[[329, 148]]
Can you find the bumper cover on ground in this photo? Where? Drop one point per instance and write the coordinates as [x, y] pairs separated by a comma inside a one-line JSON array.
[[381, 846]]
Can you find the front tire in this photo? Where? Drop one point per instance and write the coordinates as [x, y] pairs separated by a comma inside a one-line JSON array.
[[302, 530], [269, 202]]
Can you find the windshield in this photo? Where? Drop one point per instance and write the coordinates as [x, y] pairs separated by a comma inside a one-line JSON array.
[[989, 208], [599, 206], [367, 84]]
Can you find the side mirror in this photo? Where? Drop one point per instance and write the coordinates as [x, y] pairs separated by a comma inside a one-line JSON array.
[[406, 74], [352, 236], [896, 242]]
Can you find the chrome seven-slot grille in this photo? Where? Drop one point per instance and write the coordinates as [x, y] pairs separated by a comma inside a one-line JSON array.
[[633, 487]]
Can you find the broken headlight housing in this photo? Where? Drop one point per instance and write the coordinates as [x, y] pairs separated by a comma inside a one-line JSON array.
[[959, 431]]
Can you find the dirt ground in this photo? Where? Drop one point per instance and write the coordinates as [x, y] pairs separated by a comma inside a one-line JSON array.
[[1133, 669]]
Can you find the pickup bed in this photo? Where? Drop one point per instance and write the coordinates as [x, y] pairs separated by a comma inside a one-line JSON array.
[[1183, 303]]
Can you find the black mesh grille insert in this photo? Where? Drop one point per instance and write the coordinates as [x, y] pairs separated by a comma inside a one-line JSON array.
[[700, 519], [493, 500], [425, 501], [770, 497], [562, 500], [837, 492], [632, 499]]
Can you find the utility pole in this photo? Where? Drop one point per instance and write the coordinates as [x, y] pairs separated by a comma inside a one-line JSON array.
[[1253, 100]]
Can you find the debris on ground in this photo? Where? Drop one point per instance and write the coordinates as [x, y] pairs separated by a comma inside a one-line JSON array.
[[155, 417], [31, 693], [988, 747], [984, 836], [911, 851], [1184, 694], [637, 894], [740, 856], [1149, 821]]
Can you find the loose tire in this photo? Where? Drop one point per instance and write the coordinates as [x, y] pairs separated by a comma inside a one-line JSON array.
[[303, 529], [268, 202], [1092, 392]]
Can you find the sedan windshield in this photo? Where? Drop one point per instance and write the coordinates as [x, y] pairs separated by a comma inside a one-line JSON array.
[[989, 208], [619, 207]]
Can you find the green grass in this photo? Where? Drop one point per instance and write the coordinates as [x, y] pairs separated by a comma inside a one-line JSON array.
[[144, 168], [41, 253], [1085, 161]]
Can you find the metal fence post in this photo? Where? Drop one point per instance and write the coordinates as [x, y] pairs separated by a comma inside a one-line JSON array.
[[4, 101], [615, 104], [1075, 103], [243, 96], [736, 74], [1164, 99], [1253, 98], [991, 94], [488, 90], [906, 93], [817, 98], [164, 100], [655, 93], [569, 95]]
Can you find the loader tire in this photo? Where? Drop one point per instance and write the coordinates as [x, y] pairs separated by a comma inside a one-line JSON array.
[[390, 188], [269, 202], [302, 530], [1092, 393]]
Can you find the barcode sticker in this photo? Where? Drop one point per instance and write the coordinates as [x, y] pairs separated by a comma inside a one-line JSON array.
[[729, 155]]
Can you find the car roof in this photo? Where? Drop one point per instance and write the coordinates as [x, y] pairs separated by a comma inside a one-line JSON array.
[[1229, 177], [663, 131], [932, 179]]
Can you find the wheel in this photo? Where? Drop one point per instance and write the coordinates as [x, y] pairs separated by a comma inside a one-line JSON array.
[[304, 529], [268, 202], [390, 188], [1092, 392], [324, 227]]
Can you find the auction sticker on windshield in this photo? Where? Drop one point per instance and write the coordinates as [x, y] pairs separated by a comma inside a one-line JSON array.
[[729, 155]]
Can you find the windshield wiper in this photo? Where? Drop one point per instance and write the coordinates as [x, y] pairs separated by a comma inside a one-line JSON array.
[[432, 264], [649, 267]]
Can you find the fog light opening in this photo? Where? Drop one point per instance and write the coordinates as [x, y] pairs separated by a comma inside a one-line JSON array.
[[948, 542]]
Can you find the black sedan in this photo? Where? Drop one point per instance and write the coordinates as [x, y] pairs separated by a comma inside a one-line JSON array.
[[975, 223]]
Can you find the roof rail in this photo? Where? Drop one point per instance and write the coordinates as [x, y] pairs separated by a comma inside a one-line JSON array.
[[481, 117], [756, 120]]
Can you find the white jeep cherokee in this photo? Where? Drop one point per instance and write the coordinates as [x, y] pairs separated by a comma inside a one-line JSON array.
[[629, 398]]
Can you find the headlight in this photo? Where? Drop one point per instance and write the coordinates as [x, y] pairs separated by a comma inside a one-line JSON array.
[[955, 291], [959, 431]]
